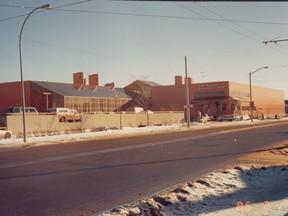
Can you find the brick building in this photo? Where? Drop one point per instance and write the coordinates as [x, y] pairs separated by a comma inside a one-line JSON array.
[[76, 95], [217, 98], [212, 98], [140, 92]]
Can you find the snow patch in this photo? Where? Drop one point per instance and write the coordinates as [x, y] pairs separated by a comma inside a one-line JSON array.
[[239, 191]]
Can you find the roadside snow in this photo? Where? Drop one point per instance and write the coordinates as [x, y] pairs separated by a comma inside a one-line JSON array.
[[88, 134], [239, 191]]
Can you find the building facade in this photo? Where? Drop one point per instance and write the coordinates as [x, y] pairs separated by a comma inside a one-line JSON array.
[[211, 98], [140, 92], [217, 98], [76, 95]]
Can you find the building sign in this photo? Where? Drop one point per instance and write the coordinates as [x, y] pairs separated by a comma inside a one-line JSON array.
[[210, 87]]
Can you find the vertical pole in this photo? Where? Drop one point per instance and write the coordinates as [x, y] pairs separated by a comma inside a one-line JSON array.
[[22, 86], [46, 102], [46, 7], [187, 96], [251, 101]]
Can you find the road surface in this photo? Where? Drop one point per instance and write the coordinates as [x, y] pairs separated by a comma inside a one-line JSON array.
[[88, 177]]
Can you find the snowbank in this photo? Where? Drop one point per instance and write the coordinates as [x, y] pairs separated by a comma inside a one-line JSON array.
[[238, 191]]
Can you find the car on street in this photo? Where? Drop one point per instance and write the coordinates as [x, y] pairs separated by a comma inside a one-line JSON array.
[[206, 118], [228, 118]]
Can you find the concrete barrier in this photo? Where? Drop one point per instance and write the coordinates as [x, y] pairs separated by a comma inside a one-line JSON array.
[[49, 124]]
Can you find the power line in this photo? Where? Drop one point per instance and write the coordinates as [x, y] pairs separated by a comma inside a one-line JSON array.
[[72, 49], [235, 23], [231, 29], [23, 15], [59, 8], [13, 6]]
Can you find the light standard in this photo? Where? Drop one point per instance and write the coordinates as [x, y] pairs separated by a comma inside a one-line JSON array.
[[45, 7], [251, 101], [187, 96]]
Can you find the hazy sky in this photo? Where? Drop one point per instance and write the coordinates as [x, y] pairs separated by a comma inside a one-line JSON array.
[[127, 40]]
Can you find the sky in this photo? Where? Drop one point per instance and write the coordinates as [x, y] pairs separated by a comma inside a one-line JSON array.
[[123, 41]]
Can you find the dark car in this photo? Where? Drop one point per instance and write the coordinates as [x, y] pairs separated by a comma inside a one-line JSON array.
[[228, 118]]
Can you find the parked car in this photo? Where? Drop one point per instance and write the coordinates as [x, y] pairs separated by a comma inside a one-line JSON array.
[[5, 133], [228, 118], [20, 109], [206, 118], [65, 114]]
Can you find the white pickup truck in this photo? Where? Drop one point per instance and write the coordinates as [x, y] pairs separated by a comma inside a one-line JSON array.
[[65, 114]]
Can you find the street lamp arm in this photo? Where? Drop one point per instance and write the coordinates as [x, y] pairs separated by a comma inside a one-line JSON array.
[[45, 7], [257, 70]]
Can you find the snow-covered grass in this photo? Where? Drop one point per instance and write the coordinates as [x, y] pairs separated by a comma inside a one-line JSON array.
[[88, 134], [239, 191]]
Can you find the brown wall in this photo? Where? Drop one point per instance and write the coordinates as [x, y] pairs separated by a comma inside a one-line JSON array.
[[266, 100], [49, 124], [203, 96], [169, 98], [11, 95]]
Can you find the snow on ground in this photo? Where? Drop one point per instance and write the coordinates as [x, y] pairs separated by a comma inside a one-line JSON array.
[[88, 134], [239, 191]]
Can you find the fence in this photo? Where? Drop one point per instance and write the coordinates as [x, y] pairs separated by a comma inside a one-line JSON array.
[[49, 124]]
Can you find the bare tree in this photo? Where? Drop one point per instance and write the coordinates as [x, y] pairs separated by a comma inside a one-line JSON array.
[[140, 93]]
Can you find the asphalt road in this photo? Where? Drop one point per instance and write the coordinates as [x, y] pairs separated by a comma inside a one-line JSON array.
[[88, 177]]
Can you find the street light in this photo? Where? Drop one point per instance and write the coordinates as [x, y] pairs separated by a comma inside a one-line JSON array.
[[187, 96], [45, 7], [251, 101]]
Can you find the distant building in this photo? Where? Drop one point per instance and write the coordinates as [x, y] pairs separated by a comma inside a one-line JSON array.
[[171, 97], [211, 98], [76, 95], [141, 93], [217, 98]]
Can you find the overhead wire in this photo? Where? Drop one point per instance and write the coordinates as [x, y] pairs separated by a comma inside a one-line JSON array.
[[202, 18], [221, 24], [227, 27], [248, 30], [231, 21], [23, 15], [59, 8], [71, 49]]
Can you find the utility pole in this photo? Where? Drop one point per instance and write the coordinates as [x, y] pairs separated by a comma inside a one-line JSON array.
[[274, 41], [187, 95], [251, 104]]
